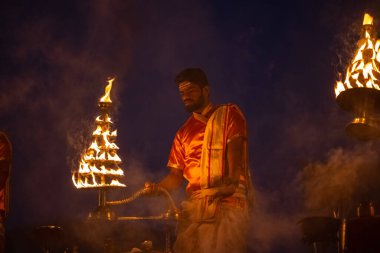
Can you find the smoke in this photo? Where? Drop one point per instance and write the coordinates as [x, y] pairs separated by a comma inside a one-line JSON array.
[[347, 177], [345, 46], [58, 63], [273, 230], [337, 184]]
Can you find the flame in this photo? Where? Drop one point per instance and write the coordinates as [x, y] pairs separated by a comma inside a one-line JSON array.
[[115, 182], [98, 130], [114, 158], [106, 98], [100, 120], [363, 72], [368, 19], [89, 172], [99, 165], [102, 156], [109, 145], [339, 88], [91, 182]]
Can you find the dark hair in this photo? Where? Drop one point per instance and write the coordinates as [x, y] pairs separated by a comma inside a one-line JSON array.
[[193, 75]]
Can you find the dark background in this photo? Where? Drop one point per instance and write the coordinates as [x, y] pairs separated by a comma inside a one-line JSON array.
[[278, 61]]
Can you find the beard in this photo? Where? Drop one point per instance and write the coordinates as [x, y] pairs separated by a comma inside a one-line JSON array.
[[195, 105]]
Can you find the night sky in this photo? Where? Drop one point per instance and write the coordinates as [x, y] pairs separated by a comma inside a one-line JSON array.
[[277, 61]]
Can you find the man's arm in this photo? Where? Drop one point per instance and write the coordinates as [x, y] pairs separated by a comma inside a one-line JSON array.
[[235, 149], [4, 172], [172, 181]]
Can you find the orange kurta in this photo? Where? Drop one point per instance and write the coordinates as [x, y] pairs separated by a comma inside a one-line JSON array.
[[185, 154], [5, 159]]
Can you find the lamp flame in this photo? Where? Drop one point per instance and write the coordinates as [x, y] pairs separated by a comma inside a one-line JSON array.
[[368, 19], [106, 98], [364, 70]]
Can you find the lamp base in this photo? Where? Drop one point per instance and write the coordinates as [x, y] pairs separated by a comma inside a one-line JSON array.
[[364, 129], [102, 213]]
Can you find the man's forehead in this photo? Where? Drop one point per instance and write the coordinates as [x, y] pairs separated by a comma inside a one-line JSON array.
[[185, 85]]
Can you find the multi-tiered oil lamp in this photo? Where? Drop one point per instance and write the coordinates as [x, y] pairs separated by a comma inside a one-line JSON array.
[[99, 165], [360, 94], [360, 91]]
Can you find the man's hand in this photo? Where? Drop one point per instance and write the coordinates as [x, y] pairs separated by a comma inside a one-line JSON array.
[[223, 191], [151, 187]]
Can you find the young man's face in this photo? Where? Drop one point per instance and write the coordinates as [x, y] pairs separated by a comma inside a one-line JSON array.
[[193, 96]]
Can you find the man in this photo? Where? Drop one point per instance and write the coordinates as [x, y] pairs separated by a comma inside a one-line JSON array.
[[210, 152], [5, 164]]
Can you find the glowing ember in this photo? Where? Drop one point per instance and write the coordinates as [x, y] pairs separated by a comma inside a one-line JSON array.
[[363, 72], [99, 166]]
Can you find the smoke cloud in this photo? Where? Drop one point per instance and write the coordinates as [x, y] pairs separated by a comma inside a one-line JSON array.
[[342, 181]]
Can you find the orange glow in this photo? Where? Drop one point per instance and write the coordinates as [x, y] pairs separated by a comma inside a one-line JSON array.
[[363, 71]]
